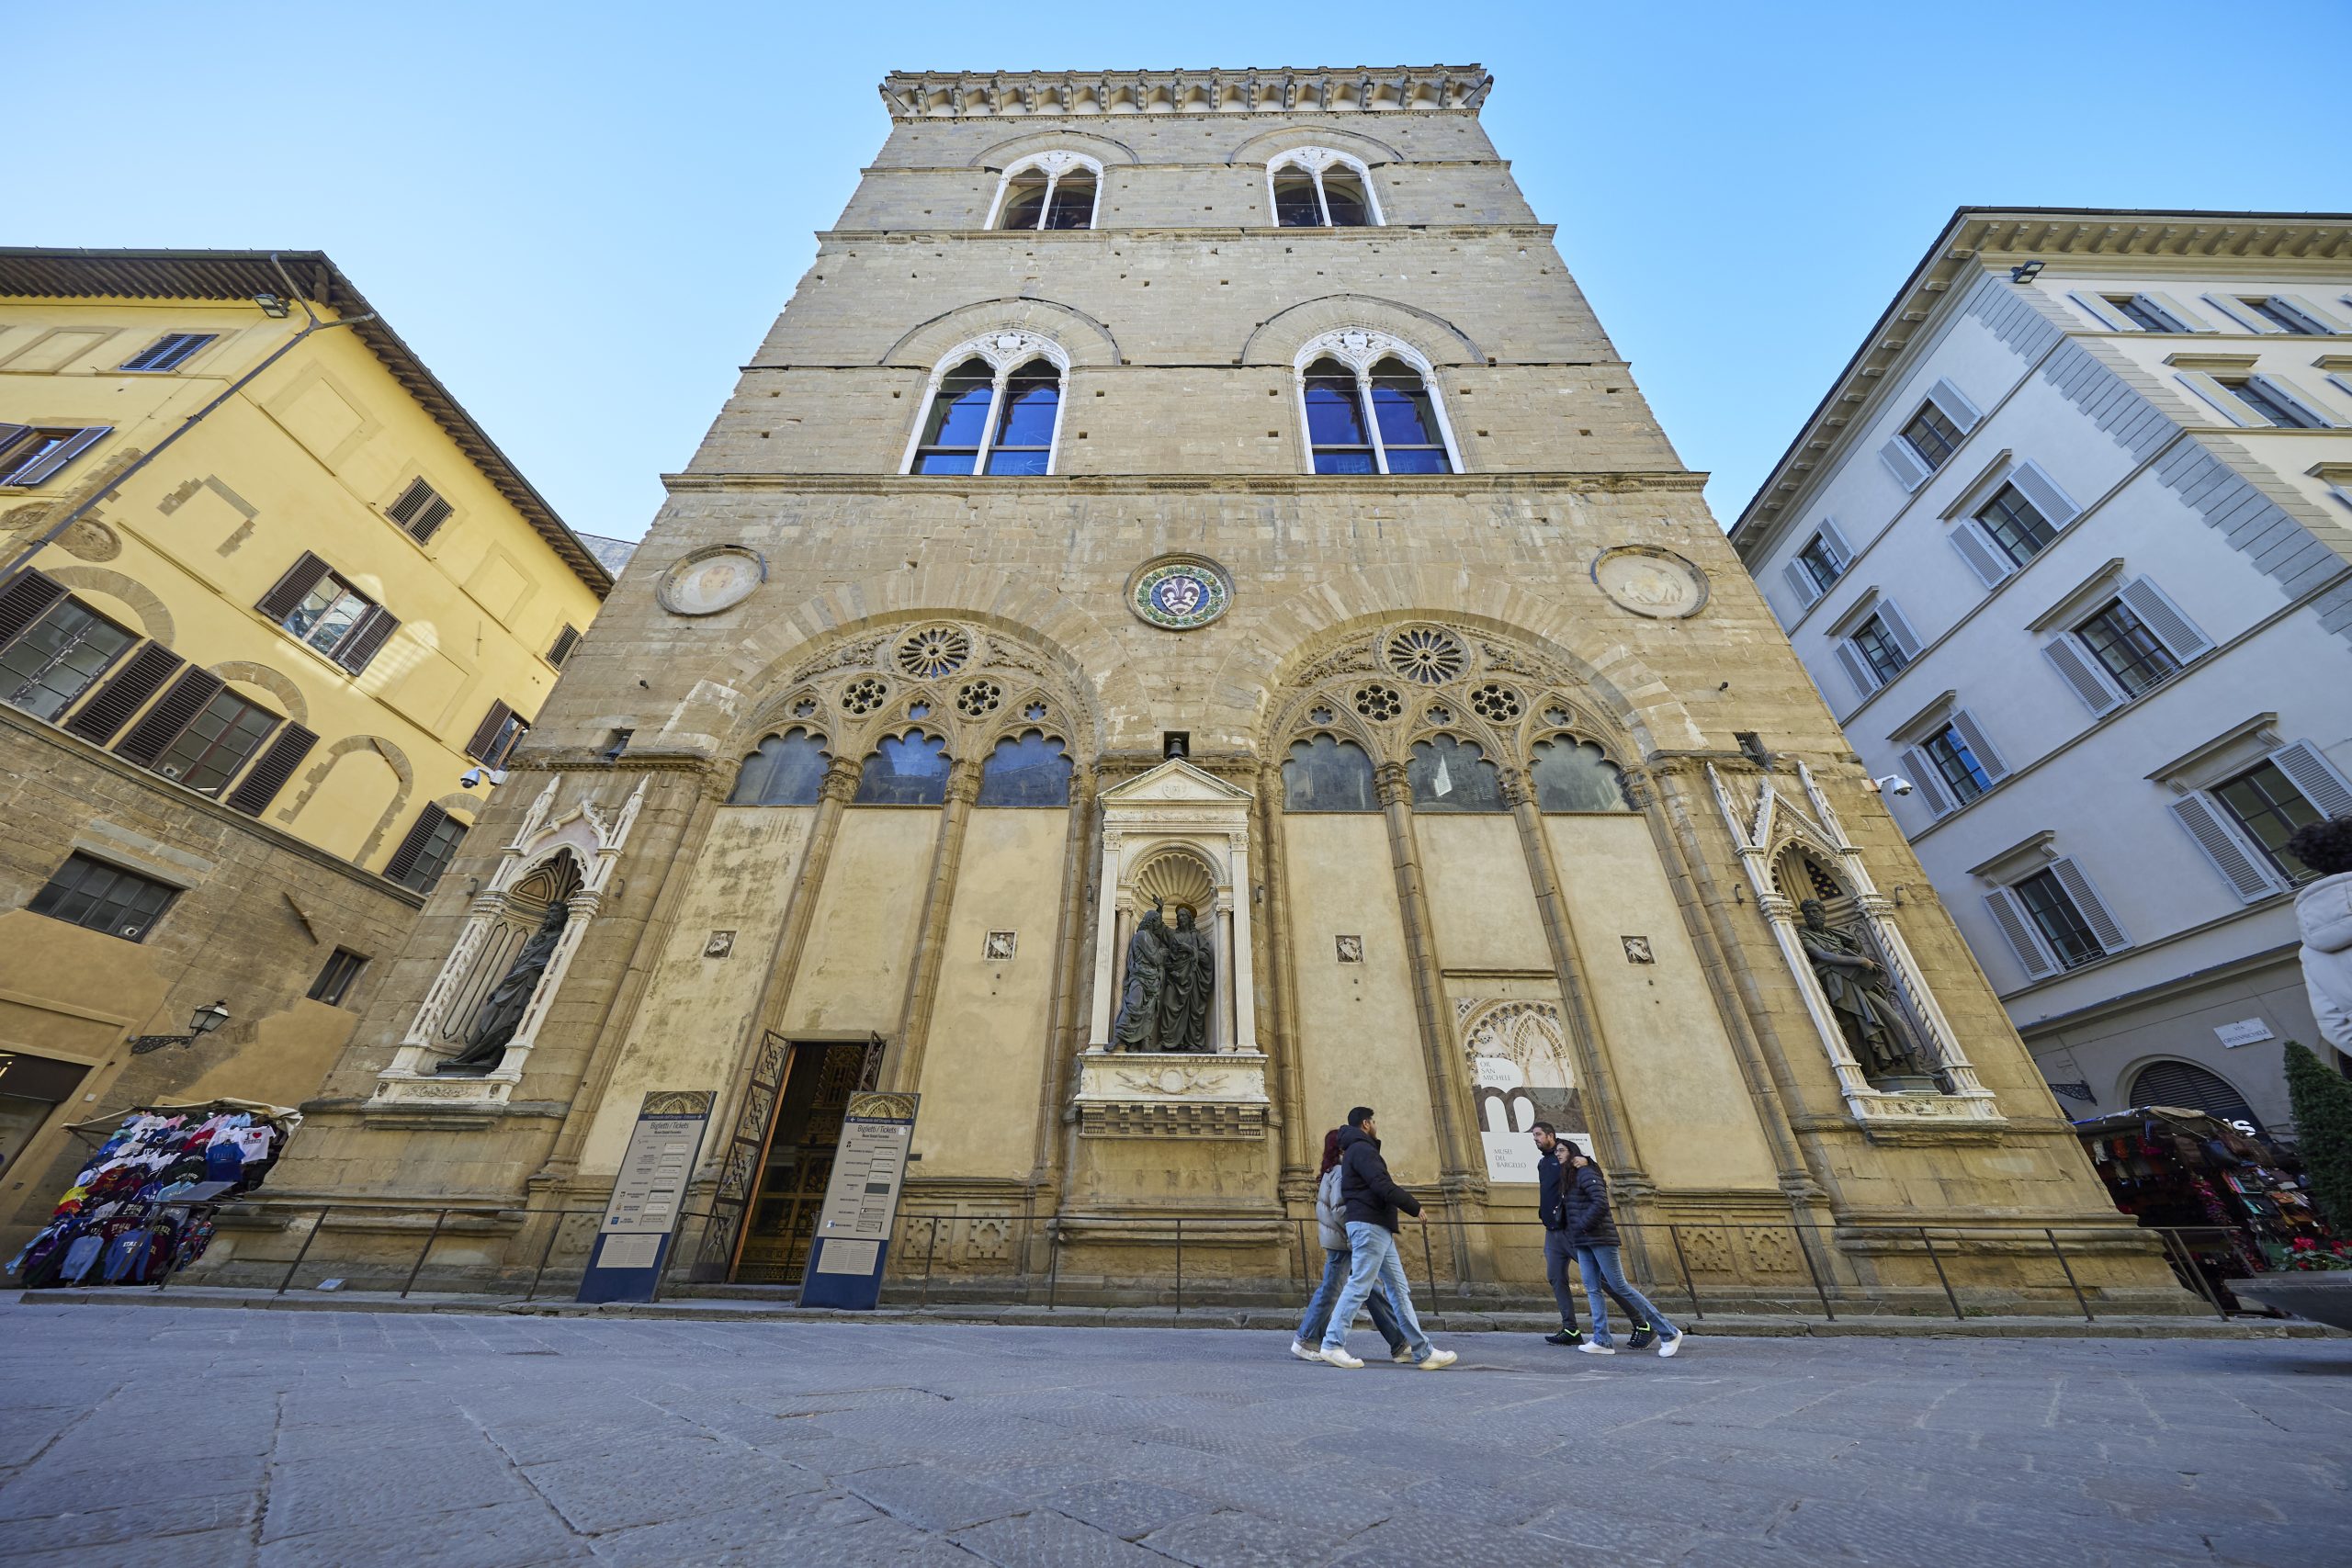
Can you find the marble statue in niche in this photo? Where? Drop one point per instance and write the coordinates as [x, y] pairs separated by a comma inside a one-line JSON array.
[[1137, 1026], [502, 1011], [1862, 998], [1189, 995]]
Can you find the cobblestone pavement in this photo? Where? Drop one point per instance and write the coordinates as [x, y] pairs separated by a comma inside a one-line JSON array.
[[191, 1438]]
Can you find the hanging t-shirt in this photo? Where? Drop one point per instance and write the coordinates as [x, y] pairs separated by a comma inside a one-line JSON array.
[[253, 1142], [224, 1161]]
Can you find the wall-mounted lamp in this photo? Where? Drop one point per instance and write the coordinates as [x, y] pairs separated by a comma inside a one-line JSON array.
[[2024, 271], [200, 1022], [275, 309]]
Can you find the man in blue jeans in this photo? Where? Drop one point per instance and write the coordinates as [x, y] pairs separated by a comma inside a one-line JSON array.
[[1373, 1202]]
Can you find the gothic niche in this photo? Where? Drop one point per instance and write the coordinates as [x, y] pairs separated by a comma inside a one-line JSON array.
[[1167, 991], [529, 928], [1864, 993]]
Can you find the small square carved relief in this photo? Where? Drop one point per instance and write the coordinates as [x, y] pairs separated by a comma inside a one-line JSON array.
[[998, 947], [1638, 950], [720, 944], [1350, 949]]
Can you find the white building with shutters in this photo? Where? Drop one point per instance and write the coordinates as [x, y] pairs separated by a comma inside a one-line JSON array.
[[2067, 548]]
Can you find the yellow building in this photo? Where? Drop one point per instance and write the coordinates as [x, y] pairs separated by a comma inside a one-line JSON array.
[[267, 595]]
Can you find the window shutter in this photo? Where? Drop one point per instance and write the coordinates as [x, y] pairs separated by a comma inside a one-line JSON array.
[[1858, 668], [2043, 490], [2185, 320], [294, 587], [101, 718], [486, 732], [419, 511], [66, 452], [2239, 315], [1836, 539], [1991, 566], [2279, 386], [2090, 905], [1995, 769], [2319, 320], [2099, 310], [365, 639], [28, 596], [269, 775], [172, 713], [1956, 406], [2307, 767], [2248, 875], [2024, 941], [565, 642], [1904, 463], [1800, 581], [428, 521], [2176, 631], [9, 435], [1926, 780], [1890, 614], [2083, 675], [403, 861], [2213, 392]]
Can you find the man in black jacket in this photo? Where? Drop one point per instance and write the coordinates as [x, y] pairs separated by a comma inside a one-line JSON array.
[[1553, 1174], [1373, 1202]]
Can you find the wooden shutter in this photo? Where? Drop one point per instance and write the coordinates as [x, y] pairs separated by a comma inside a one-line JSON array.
[[2099, 310], [260, 786], [1921, 771], [565, 642], [2110, 930], [2223, 403], [2056, 506], [2312, 316], [2161, 616], [1987, 560], [1989, 760], [364, 640], [2248, 875], [28, 596], [173, 712], [1858, 668], [486, 733], [420, 509], [2307, 767], [2166, 305], [2024, 941], [294, 587], [1898, 630], [1801, 582], [2083, 674], [403, 861], [59, 456], [2287, 392], [1909, 471], [1836, 539], [1956, 406], [101, 718]]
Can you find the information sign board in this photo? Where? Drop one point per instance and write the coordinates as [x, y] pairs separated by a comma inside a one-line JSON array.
[[853, 1242], [641, 1219]]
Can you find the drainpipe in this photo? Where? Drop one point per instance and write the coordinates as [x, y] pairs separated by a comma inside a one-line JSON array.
[[55, 530]]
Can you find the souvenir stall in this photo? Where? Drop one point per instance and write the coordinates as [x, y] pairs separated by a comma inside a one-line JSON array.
[[2238, 1200], [142, 1207]]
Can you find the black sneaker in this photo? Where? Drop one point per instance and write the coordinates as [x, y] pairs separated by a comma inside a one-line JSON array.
[[1644, 1338], [1566, 1336]]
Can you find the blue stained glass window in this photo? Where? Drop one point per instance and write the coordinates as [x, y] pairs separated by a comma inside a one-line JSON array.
[[905, 770], [1574, 776], [787, 770], [1447, 774], [1322, 773], [959, 413], [1030, 770]]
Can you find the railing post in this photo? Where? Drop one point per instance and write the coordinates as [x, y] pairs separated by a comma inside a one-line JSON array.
[[1827, 1310], [1053, 1266], [317, 1225], [1428, 1265], [546, 1252], [1306, 1276], [431, 1236], [2058, 1252], [2196, 1275], [670, 1258], [1690, 1287], [1929, 1242], [929, 1254], [1180, 1267]]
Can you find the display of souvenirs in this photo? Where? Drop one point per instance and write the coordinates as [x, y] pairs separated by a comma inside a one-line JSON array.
[[2236, 1199], [142, 1208]]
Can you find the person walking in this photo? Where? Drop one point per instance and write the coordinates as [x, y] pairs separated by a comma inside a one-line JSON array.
[[1554, 1177], [1373, 1202], [2324, 911], [1589, 1221], [1331, 1229]]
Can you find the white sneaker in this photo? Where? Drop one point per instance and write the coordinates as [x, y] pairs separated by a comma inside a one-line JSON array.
[[1590, 1348], [1439, 1360], [1303, 1352], [1403, 1356], [1669, 1346], [1340, 1358]]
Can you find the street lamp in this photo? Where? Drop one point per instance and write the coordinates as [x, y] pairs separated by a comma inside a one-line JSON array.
[[200, 1022]]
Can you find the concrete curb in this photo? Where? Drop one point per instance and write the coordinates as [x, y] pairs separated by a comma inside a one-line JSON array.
[[1260, 1320]]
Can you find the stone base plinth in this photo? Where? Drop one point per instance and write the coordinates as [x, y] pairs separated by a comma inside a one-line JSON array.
[[1148, 1094]]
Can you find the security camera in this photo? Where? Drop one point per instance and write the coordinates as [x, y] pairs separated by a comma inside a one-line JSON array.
[[1893, 783], [474, 777]]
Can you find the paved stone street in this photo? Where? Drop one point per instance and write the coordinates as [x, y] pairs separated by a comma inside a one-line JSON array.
[[191, 1438]]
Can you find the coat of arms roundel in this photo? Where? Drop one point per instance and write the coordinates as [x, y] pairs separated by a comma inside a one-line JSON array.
[[1180, 593]]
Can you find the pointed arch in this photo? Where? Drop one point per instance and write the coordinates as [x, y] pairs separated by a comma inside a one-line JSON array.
[[1278, 338]]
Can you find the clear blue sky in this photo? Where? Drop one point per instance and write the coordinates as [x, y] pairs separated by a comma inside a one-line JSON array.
[[584, 216]]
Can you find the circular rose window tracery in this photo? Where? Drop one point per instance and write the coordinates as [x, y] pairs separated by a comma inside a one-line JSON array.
[[1427, 655], [934, 652]]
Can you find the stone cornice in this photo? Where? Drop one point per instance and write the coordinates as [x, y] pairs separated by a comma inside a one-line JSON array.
[[1192, 234], [1087, 94], [1544, 481]]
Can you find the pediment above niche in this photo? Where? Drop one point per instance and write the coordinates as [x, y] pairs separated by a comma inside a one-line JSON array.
[[1176, 779]]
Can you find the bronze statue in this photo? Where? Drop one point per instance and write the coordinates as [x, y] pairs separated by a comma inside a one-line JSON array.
[[1191, 987], [501, 1010], [1877, 1030], [1138, 1025]]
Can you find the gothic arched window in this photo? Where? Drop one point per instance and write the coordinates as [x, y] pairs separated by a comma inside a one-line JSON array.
[[1315, 187], [1325, 774], [1370, 409], [905, 770], [1575, 775], [785, 770], [1447, 774], [1030, 770], [1049, 190], [994, 410]]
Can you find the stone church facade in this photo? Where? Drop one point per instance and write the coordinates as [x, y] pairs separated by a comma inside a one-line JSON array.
[[1200, 493]]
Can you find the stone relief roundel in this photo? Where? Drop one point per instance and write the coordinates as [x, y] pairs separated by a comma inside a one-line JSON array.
[[1651, 581], [715, 578], [1180, 593], [1427, 655]]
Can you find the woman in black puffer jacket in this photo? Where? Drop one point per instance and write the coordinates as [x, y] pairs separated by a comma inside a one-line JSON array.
[[1586, 1209]]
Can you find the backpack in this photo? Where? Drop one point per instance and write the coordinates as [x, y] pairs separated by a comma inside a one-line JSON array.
[[1330, 1213]]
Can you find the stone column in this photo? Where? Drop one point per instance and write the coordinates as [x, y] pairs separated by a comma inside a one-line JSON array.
[[1063, 1041], [905, 1071], [1282, 969]]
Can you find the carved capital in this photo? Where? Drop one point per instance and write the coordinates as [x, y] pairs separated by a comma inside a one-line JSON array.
[[1390, 779], [840, 780], [1640, 791], [1516, 790], [963, 781]]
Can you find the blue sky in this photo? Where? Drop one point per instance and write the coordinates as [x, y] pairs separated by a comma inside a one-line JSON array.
[[585, 216]]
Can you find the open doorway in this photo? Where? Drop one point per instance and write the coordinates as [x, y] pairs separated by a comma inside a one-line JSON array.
[[798, 1161]]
